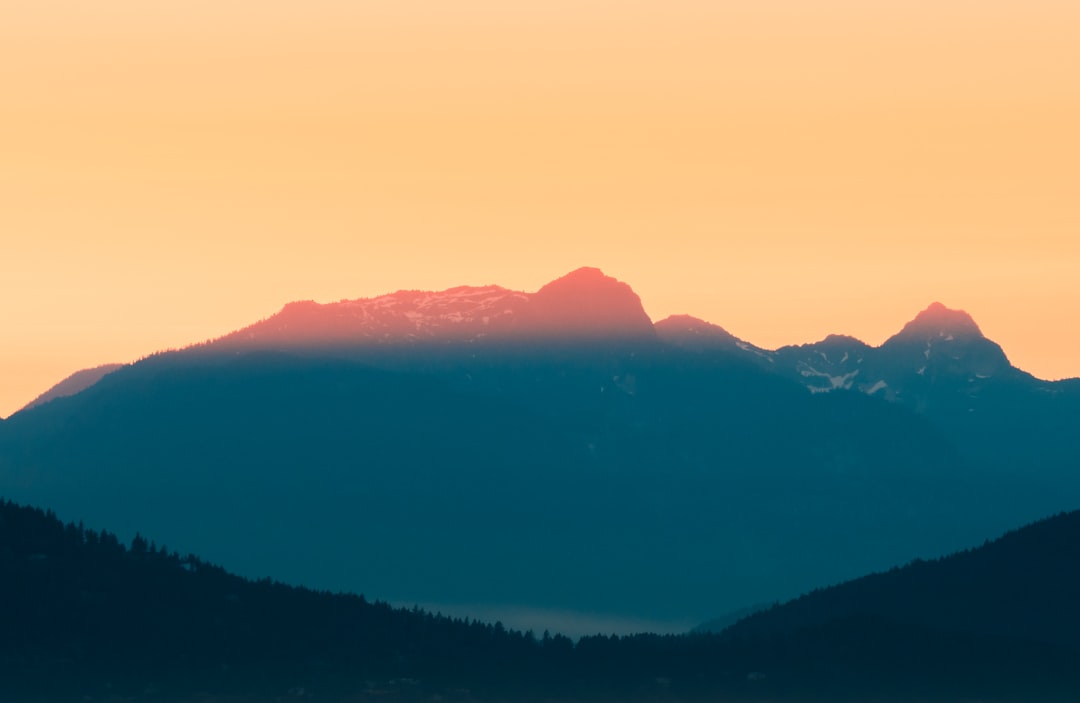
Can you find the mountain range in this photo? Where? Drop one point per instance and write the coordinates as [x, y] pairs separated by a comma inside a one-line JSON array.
[[555, 450], [939, 364]]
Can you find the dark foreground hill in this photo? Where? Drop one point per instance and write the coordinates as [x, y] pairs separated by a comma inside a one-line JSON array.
[[88, 619], [1023, 585]]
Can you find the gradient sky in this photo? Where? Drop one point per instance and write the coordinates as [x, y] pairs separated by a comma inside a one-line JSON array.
[[170, 171]]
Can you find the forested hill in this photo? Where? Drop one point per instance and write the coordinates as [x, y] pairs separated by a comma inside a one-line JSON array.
[[89, 617], [1023, 585], [86, 618]]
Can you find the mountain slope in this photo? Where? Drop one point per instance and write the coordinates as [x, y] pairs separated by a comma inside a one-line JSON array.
[[75, 383], [578, 479], [1020, 588], [939, 365]]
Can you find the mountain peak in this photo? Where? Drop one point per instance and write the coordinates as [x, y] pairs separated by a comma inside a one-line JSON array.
[[842, 340], [583, 281], [940, 321], [586, 273], [586, 302], [942, 341], [698, 335]]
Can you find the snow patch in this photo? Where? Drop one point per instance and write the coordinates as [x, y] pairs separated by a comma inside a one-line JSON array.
[[876, 387], [754, 350], [835, 382]]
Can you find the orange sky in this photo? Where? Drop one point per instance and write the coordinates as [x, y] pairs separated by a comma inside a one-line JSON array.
[[172, 170]]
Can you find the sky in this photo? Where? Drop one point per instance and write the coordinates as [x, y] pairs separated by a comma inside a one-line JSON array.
[[171, 171]]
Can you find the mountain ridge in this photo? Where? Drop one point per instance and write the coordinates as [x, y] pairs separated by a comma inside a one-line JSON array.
[[938, 359], [586, 304], [75, 383]]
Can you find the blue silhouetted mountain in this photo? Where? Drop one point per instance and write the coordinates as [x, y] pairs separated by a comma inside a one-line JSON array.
[[636, 481], [87, 617], [75, 383], [692, 333], [941, 366], [543, 451]]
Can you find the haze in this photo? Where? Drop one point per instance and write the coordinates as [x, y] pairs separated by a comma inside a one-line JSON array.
[[173, 171]]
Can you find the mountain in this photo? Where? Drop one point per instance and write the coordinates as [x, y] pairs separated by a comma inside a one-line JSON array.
[[940, 346], [576, 479], [698, 335], [584, 304], [938, 365], [75, 383], [553, 451]]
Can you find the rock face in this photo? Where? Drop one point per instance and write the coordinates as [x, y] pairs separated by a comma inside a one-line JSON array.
[[584, 304]]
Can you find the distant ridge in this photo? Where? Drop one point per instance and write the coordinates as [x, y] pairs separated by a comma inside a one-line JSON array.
[[586, 304], [75, 383], [697, 334], [940, 321], [940, 347]]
